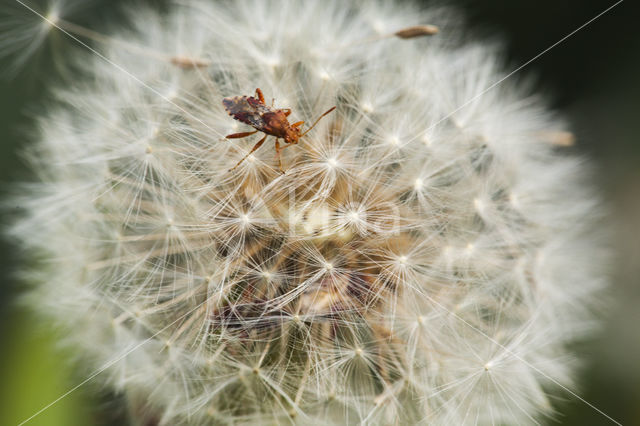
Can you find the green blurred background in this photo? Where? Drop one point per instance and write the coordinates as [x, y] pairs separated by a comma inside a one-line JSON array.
[[593, 78]]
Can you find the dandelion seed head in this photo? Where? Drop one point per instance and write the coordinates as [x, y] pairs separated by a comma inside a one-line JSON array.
[[339, 292]]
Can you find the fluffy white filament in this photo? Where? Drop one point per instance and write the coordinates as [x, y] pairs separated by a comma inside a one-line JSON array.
[[413, 265]]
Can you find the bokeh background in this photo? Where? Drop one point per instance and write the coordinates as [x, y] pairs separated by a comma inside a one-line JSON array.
[[593, 78]]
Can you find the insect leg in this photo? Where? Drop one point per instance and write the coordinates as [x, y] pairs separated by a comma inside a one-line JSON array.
[[286, 111], [278, 155], [240, 135], [278, 150], [298, 123], [260, 95], [256, 146]]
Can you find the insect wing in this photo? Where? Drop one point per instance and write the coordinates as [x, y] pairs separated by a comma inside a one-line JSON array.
[[240, 108], [261, 108]]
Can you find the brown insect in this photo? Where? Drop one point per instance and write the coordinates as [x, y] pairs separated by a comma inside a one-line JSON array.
[[267, 119]]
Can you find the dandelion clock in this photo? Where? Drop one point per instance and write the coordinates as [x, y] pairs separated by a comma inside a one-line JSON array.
[[424, 255]]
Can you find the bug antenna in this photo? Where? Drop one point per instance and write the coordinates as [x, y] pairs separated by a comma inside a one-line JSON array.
[[316, 122]]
